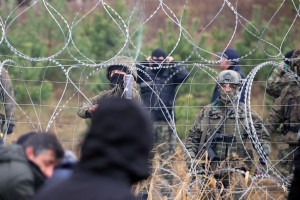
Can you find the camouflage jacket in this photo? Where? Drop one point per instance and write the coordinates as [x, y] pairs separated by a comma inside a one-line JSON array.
[[286, 111], [116, 91], [7, 97], [277, 82], [236, 143]]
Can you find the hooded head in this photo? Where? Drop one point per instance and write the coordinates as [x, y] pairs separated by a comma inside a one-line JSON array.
[[119, 140], [118, 67], [158, 56]]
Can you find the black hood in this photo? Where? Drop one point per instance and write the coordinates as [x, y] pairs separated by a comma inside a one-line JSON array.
[[119, 140]]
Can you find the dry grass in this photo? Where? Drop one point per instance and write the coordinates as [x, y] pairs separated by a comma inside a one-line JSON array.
[[187, 186]]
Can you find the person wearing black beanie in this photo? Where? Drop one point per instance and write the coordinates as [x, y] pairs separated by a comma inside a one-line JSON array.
[[158, 77], [114, 155]]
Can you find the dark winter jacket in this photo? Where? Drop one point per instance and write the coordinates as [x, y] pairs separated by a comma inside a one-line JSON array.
[[158, 88], [19, 178], [114, 155], [295, 185], [236, 68]]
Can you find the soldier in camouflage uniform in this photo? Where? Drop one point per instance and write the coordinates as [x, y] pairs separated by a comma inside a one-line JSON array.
[[278, 79], [223, 130], [116, 70], [286, 111], [8, 118]]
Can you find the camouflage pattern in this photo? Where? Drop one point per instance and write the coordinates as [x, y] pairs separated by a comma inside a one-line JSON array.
[[165, 143], [286, 111], [122, 61], [164, 139], [218, 117], [8, 98], [277, 82], [115, 91]]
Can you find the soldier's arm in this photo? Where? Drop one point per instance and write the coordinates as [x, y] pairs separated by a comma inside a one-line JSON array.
[[8, 97], [276, 82], [195, 133], [85, 107], [276, 115]]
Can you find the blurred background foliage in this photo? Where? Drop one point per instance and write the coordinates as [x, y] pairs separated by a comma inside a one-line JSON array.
[[99, 35]]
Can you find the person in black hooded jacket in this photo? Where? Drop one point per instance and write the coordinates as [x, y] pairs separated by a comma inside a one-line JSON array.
[[158, 77], [114, 155]]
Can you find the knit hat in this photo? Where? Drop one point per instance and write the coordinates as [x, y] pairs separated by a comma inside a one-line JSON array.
[[159, 53], [230, 54]]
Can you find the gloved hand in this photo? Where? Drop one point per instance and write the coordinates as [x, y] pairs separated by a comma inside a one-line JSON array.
[[10, 128]]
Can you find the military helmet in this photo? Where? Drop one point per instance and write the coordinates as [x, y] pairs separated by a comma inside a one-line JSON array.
[[229, 76], [125, 63], [295, 63]]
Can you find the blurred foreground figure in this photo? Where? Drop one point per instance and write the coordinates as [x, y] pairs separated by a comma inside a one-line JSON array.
[[285, 112], [64, 169], [8, 118], [23, 169], [114, 155], [295, 185]]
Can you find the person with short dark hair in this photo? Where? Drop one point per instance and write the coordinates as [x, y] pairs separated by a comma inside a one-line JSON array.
[[25, 167], [114, 155]]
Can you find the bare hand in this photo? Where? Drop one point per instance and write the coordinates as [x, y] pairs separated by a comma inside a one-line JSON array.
[[93, 108]]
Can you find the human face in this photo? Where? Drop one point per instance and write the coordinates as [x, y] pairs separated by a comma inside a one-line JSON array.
[[228, 92], [227, 87], [224, 64], [45, 160]]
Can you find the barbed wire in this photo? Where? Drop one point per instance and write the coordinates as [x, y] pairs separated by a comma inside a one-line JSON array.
[[73, 89]]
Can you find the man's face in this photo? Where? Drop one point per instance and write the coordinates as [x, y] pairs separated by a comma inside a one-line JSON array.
[[224, 64], [45, 160], [228, 92]]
